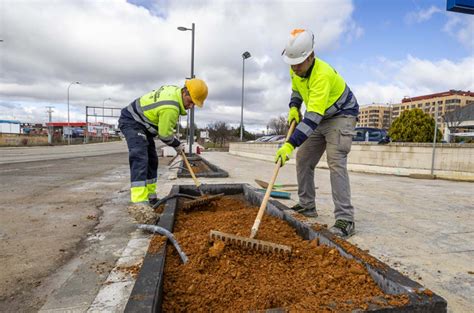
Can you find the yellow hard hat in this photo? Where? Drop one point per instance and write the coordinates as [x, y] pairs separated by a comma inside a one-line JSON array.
[[197, 90]]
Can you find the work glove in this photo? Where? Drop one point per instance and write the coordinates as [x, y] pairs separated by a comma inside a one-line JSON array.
[[179, 148], [284, 153], [294, 114]]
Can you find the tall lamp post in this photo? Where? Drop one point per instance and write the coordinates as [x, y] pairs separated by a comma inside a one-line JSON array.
[[103, 118], [68, 121], [434, 139], [191, 127], [245, 56]]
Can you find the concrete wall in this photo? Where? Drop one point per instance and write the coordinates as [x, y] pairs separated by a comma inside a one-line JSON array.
[[22, 140], [452, 161]]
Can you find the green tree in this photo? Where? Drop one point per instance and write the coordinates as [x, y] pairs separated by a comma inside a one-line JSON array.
[[246, 135], [414, 126]]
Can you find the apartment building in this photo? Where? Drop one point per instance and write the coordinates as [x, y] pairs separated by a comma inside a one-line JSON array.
[[445, 101], [375, 115]]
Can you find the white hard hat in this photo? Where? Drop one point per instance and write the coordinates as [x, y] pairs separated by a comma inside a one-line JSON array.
[[299, 46]]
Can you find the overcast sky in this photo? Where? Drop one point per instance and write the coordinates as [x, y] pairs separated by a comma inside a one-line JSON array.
[[121, 50]]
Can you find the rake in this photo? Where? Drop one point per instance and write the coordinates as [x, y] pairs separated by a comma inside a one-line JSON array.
[[203, 200], [251, 242]]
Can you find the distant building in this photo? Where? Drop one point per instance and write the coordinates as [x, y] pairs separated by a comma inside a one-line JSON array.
[[9, 127], [459, 123], [446, 101], [81, 129], [378, 116], [34, 129]]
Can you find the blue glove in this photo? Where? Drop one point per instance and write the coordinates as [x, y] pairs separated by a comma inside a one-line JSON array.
[[284, 153]]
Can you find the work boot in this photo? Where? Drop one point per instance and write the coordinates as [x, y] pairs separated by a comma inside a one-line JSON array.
[[306, 212], [143, 213], [343, 228]]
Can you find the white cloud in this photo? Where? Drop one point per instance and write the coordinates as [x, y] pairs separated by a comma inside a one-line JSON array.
[[120, 50], [413, 77], [461, 27], [422, 15], [355, 31]]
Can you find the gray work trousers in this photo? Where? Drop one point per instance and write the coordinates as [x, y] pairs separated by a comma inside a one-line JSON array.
[[333, 135]]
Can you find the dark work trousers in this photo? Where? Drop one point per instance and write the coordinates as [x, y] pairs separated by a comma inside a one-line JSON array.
[[143, 158]]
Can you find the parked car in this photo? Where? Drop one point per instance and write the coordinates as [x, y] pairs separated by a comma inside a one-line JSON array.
[[269, 138], [276, 138], [263, 139], [371, 134]]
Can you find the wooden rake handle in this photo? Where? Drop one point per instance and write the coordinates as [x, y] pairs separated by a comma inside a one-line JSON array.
[[263, 205], [190, 169]]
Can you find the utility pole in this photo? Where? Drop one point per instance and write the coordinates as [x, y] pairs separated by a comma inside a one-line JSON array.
[[50, 128], [103, 118]]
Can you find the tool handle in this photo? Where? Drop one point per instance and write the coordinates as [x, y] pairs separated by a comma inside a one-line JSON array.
[[196, 181], [290, 130], [263, 205]]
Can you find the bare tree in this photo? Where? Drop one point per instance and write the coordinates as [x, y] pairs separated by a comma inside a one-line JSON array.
[[219, 132], [278, 125], [454, 118]]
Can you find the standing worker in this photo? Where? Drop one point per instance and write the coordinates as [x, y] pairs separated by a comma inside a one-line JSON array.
[[154, 114], [328, 125]]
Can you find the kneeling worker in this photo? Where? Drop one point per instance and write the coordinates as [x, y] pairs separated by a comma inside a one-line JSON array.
[[154, 114]]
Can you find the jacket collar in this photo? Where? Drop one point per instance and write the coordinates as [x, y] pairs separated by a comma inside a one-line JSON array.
[[308, 73], [182, 109]]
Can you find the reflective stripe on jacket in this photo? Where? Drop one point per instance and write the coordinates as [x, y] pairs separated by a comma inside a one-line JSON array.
[[325, 94], [159, 111]]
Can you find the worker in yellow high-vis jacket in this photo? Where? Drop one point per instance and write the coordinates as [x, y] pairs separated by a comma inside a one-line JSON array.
[[327, 126], [154, 114]]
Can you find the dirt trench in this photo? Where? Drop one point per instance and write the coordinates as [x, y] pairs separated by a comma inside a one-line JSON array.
[[223, 278]]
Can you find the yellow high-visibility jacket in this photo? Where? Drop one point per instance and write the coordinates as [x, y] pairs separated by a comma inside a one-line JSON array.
[[159, 111], [325, 94]]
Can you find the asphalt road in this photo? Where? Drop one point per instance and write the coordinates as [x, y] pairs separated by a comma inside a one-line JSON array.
[[47, 210]]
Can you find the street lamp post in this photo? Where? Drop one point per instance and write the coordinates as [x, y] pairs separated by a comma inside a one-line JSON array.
[[434, 140], [103, 118], [245, 56], [68, 121], [191, 127]]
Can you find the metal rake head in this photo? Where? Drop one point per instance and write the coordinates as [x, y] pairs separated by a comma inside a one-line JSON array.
[[254, 244], [200, 202]]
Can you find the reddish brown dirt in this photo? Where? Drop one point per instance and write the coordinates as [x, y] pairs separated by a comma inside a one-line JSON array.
[[133, 270], [361, 254], [199, 167], [224, 278], [156, 243]]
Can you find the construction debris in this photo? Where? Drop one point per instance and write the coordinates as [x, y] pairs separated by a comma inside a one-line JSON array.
[[143, 213]]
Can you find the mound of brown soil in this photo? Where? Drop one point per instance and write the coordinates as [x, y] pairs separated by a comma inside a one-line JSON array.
[[222, 278]]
